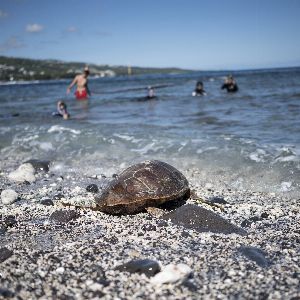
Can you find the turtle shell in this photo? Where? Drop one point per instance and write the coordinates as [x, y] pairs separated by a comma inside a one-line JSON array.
[[146, 184]]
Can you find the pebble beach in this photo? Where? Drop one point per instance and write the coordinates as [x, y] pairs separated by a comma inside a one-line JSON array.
[[52, 251]]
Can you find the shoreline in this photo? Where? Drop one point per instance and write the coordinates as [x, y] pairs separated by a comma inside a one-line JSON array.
[[77, 260]]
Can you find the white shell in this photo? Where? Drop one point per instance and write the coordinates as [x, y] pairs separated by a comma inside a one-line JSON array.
[[25, 172], [172, 273]]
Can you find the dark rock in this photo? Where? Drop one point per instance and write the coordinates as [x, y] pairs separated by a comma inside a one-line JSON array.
[[191, 286], [148, 227], [246, 223], [92, 188], [264, 215], [217, 200], [185, 234], [111, 240], [2, 229], [58, 196], [98, 275], [254, 219], [5, 293], [142, 266], [63, 216], [5, 254], [47, 202], [9, 221], [39, 165], [98, 294], [115, 175], [162, 223], [255, 254], [202, 220]]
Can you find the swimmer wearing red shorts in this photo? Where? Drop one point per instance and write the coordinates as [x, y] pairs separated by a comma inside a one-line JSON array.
[[81, 81], [81, 95]]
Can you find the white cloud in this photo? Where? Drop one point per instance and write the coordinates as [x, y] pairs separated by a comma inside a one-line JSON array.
[[3, 14], [33, 28], [11, 44]]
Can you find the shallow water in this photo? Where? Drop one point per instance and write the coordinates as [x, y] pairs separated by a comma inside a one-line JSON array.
[[248, 140]]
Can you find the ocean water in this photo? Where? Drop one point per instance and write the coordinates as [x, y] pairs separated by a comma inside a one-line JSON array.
[[247, 140]]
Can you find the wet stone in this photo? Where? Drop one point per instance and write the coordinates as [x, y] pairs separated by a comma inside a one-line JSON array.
[[47, 202], [217, 200], [142, 266], [202, 220], [63, 216], [5, 293], [255, 254], [92, 188], [5, 254], [39, 165]]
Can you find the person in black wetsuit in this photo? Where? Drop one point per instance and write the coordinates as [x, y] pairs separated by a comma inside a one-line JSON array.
[[199, 90], [230, 85], [150, 93]]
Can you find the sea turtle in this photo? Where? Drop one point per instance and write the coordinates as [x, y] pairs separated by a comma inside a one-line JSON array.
[[146, 184]]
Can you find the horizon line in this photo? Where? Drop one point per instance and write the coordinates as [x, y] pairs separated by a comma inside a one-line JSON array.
[[170, 67]]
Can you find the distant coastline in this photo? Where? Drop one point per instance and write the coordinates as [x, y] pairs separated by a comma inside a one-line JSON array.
[[23, 69]]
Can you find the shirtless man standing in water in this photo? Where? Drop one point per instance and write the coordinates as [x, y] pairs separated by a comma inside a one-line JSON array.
[[82, 90]]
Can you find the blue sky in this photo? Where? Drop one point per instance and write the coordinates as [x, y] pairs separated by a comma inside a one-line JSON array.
[[195, 34]]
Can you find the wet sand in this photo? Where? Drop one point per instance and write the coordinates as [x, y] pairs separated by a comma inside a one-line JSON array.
[[74, 255]]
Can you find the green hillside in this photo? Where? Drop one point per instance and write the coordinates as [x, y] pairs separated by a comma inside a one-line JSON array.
[[29, 69]]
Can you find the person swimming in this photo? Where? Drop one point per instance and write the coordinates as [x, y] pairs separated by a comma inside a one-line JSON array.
[[199, 90], [151, 93], [61, 110], [230, 85]]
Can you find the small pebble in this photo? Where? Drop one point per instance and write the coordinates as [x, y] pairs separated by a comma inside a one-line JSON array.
[[2, 229], [60, 270], [255, 254], [25, 172], [92, 188], [217, 200], [10, 221], [5, 293], [63, 216], [8, 196], [143, 266], [58, 196], [47, 202], [5, 254]]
